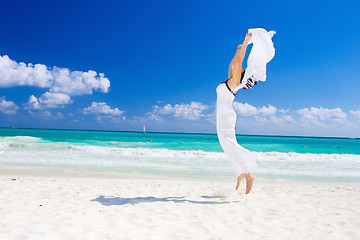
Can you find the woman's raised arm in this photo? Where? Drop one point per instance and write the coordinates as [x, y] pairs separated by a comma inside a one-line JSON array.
[[235, 67]]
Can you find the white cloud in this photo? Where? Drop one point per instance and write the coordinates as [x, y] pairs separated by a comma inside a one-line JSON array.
[[7, 107], [33, 103], [110, 118], [57, 80], [47, 114], [262, 115], [59, 115], [288, 118], [77, 82], [153, 117], [247, 110], [267, 119], [192, 111], [253, 120], [102, 108], [355, 113], [285, 119], [318, 116], [20, 74], [283, 110], [261, 119], [53, 100], [48, 100], [268, 111]]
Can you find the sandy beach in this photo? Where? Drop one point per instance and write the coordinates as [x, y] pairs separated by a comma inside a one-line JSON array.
[[58, 205]]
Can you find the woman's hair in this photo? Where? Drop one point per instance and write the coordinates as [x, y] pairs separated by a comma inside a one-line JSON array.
[[242, 75]]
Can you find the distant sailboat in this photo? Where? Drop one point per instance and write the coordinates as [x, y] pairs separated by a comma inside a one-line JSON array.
[[144, 130]]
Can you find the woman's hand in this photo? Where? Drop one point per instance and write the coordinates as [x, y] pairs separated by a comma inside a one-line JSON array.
[[248, 37]]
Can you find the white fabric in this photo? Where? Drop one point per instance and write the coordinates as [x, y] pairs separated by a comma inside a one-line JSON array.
[[241, 158], [261, 53]]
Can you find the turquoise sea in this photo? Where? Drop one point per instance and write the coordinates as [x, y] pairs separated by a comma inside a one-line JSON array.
[[178, 155]]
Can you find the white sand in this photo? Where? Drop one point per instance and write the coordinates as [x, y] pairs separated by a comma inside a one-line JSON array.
[[67, 206]]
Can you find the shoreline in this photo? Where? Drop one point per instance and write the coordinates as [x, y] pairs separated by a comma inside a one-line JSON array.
[[46, 172]]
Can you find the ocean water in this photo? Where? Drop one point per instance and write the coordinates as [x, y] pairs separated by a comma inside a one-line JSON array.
[[179, 155]]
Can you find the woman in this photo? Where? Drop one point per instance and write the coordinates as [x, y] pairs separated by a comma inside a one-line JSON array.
[[241, 158]]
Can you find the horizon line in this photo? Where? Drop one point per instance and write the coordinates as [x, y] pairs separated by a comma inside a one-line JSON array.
[[238, 134]]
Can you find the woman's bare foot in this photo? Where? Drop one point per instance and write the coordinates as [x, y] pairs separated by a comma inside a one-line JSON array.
[[239, 179], [249, 182]]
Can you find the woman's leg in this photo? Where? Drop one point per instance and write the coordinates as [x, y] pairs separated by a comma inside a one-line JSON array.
[[249, 182], [239, 180]]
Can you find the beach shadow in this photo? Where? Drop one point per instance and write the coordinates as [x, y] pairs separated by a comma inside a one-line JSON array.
[[108, 201]]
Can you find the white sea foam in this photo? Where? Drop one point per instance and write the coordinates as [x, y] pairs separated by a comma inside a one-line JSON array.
[[20, 139], [31, 151]]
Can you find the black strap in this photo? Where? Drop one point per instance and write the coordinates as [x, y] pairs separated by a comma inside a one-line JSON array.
[[226, 83]]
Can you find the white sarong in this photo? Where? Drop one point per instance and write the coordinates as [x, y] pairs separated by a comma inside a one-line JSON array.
[[261, 53]]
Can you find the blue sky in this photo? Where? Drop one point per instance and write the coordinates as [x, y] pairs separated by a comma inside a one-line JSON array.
[[115, 65]]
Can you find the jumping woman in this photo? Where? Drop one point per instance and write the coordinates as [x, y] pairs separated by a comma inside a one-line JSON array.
[[241, 158]]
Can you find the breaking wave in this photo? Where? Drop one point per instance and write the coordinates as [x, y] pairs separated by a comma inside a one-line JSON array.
[[35, 152]]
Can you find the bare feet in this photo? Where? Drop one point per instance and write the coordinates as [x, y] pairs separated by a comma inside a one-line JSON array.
[[239, 179], [249, 182]]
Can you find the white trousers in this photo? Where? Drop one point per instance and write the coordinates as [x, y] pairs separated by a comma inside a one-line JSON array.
[[241, 158]]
